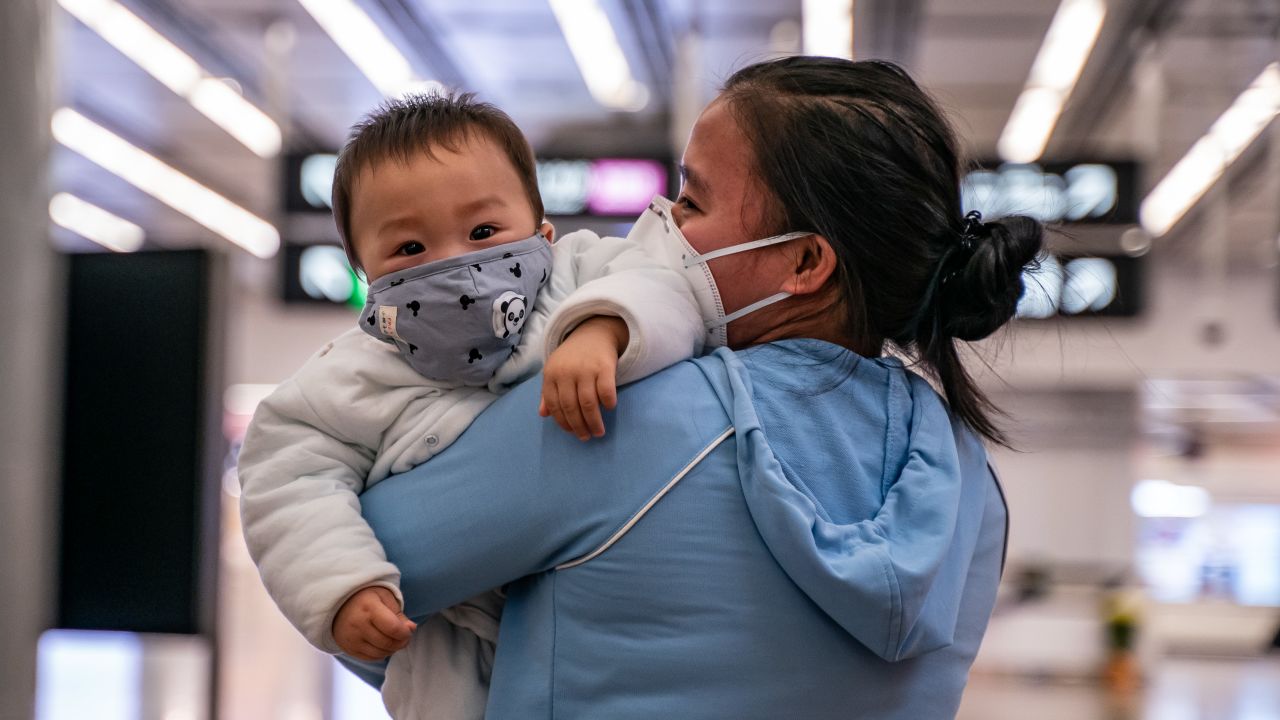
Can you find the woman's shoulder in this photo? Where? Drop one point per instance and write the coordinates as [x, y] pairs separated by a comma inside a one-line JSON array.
[[696, 385]]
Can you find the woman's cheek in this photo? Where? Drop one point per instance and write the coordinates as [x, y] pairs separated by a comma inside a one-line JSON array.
[[694, 232]]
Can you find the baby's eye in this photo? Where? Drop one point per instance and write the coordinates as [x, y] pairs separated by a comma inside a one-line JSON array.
[[483, 232], [411, 248]]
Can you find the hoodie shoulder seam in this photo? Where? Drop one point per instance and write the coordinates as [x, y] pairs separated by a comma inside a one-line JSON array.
[[892, 412]]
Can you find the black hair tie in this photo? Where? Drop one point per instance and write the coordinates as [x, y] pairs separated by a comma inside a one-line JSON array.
[[948, 267], [969, 233]]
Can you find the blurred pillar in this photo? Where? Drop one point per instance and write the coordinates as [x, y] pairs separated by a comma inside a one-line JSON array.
[[687, 89], [1149, 90], [1214, 245], [30, 333], [1272, 186], [887, 30]]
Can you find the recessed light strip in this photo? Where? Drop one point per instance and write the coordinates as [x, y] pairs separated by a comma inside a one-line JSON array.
[[1207, 160], [176, 70], [1057, 68], [360, 38], [599, 55], [152, 176], [92, 222]]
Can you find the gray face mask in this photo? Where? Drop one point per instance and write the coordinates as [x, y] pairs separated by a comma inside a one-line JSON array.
[[457, 319]]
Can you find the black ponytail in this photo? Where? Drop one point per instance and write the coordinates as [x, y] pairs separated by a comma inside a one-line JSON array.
[[859, 153]]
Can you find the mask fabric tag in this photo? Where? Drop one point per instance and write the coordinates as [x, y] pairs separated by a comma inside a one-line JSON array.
[[387, 321]]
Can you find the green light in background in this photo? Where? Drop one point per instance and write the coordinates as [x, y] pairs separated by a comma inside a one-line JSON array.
[[359, 293]]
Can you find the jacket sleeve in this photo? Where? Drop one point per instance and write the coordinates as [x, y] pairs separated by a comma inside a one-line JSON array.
[[615, 277], [515, 495], [304, 461]]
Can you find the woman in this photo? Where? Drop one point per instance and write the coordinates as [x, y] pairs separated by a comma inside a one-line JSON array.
[[797, 527]]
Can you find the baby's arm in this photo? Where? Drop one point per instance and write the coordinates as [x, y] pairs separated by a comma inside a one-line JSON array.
[[305, 459], [627, 317]]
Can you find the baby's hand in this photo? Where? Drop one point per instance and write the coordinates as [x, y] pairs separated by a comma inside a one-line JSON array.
[[581, 375], [370, 626]]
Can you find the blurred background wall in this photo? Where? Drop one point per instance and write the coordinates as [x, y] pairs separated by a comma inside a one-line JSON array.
[[29, 360], [1142, 378]]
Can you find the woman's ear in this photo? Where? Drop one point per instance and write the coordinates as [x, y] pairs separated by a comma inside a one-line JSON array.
[[813, 264], [548, 231]]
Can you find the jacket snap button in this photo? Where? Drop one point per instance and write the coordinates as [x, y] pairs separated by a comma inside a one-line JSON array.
[[432, 440]]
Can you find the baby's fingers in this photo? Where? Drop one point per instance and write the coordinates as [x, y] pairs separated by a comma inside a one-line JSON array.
[[551, 400], [395, 626], [571, 411], [607, 390], [368, 652], [589, 404]]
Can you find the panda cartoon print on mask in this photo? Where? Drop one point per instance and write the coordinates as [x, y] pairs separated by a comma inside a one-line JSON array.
[[509, 311], [458, 319]]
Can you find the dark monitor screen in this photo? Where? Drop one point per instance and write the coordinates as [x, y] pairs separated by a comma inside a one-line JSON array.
[[135, 539]]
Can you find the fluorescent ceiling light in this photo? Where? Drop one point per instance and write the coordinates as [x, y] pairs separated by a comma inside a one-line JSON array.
[[828, 28], [1058, 65], [598, 54], [92, 222], [1212, 154], [164, 61], [150, 175], [225, 106], [357, 35]]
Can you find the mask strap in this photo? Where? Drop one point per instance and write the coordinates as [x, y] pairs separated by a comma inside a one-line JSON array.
[[743, 247], [712, 325]]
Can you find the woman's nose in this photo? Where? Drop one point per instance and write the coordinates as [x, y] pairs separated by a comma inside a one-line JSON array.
[[677, 215]]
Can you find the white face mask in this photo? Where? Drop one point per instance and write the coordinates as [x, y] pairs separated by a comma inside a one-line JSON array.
[[657, 233]]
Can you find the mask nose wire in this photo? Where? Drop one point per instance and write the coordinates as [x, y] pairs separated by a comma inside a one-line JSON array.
[[660, 212]]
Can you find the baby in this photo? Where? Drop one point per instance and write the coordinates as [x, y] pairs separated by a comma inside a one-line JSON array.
[[437, 202]]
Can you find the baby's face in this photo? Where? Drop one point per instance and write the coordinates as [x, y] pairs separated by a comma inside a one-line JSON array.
[[431, 208]]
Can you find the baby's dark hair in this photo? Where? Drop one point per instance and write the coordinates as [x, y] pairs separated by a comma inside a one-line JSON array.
[[417, 123], [859, 153]]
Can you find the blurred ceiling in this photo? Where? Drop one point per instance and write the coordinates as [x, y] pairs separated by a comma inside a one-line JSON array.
[[973, 54]]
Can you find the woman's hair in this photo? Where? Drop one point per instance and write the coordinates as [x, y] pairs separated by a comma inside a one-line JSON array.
[[860, 154]]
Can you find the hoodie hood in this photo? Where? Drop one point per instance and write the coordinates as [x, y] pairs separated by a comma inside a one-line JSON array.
[[864, 490]]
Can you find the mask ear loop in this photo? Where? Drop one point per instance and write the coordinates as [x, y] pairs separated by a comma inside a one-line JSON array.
[[743, 247], [777, 297]]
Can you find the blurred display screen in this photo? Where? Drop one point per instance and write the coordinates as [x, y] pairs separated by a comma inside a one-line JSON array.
[[600, 187], [1055, 192], [604, 187], [308, 182], [1190, 549], [1099, 286], [321, 274]]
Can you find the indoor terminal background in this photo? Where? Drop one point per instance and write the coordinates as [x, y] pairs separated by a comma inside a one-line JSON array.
[[163, 188]]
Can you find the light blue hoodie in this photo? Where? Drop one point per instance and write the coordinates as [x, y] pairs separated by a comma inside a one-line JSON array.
[[789, 531]]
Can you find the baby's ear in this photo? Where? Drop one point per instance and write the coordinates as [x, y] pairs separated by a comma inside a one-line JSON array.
[[548, 231]]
